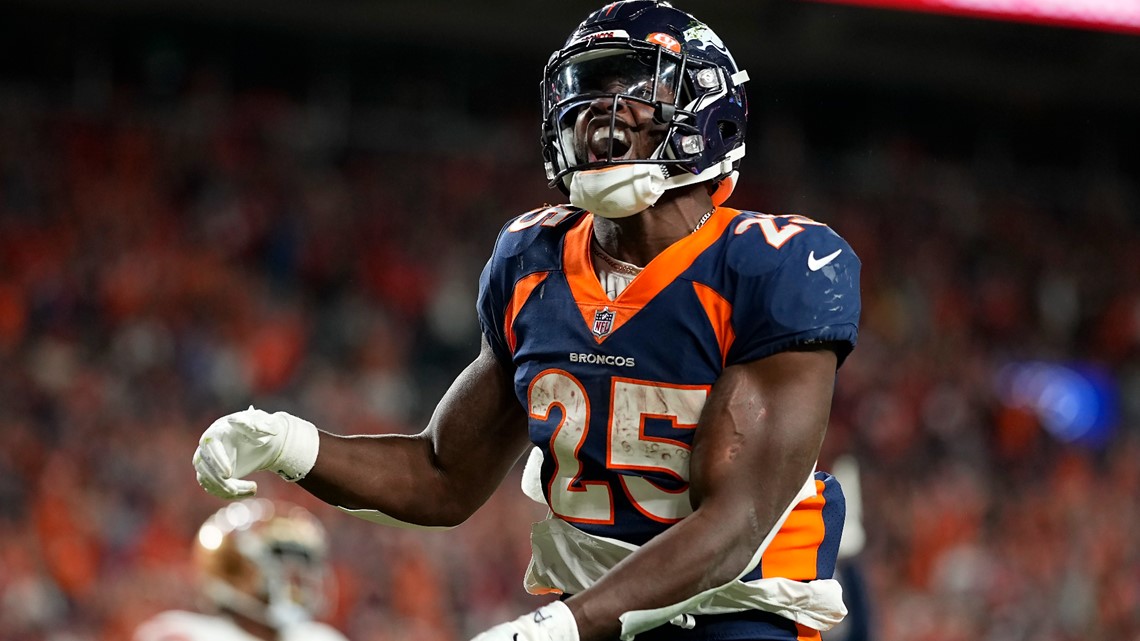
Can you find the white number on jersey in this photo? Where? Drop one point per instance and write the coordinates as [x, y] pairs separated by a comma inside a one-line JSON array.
[[627, 445]]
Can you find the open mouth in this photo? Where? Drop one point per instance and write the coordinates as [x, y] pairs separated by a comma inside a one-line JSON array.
[[603, 138]]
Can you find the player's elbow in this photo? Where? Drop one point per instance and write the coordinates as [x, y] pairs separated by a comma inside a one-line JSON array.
[[448, 516], [458, 505], [446, 502], [734, 534], [429, 514]]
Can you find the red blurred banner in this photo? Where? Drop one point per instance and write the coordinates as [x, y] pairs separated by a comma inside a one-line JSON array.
[[1108, 15]]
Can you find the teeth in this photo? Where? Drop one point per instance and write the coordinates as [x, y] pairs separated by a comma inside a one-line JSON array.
[[603, 135], [600, 142]]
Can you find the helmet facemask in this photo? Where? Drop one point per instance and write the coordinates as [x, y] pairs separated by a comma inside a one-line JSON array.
[[614, 105], [647, 57]]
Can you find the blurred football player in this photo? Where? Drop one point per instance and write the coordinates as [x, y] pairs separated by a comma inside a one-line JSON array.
[[670, 359], [263, 576], [857, 625]]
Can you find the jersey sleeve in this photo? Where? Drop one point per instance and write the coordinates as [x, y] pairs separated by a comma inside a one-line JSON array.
[[527, 244], [803, 292], [492, 301]]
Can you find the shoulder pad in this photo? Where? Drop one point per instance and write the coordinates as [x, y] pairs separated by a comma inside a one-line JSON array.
[[760, 243], [796, 282], [522, 231]]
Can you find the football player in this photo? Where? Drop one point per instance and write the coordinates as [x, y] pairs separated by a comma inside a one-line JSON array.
[[671, 360], [263, 577]]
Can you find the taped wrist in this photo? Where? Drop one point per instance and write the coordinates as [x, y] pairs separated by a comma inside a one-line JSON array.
[[553, 622], [299, 449]]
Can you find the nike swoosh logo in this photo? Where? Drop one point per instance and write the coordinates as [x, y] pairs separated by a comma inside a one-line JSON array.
[[816, 264]]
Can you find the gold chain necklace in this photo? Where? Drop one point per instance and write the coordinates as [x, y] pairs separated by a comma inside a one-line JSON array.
[[704, 219], [616, 265]]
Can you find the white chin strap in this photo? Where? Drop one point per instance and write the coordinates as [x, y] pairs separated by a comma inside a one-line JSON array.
[[617, 191], [624, 190]]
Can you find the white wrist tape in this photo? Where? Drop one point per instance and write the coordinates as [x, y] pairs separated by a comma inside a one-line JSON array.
[[553, 621], [299, 449]]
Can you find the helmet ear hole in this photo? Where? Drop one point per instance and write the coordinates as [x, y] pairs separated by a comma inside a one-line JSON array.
[[728, 130]]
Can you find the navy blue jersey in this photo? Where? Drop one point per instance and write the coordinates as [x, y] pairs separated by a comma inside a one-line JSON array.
[[614, 389]]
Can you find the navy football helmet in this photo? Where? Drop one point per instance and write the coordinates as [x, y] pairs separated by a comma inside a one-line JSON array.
[[646, 51]]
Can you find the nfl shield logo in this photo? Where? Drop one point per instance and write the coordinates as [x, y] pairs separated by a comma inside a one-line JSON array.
[[603, 322]]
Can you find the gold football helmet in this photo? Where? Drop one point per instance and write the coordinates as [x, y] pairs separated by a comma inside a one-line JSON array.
[[265, 560]]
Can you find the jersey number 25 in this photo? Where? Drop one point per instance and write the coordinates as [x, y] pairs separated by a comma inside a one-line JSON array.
[[628, 447]]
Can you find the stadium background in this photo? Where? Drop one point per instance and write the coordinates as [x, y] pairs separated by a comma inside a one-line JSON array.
[[204, 204]]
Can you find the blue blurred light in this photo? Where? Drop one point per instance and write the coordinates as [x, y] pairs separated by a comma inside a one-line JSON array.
[[1076, 403]]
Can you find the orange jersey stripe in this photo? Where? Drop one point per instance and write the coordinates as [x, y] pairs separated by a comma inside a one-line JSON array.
[[657, 275], [804, 633], [523, 290], [792, 553], [719, 312]]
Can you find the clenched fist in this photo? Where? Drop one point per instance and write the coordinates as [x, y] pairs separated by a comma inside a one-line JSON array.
[[241, 443]]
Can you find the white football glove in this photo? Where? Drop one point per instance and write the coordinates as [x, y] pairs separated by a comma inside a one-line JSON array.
[[551, 622], [241, 443]]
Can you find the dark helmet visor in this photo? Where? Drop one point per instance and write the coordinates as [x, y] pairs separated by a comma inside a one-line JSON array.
[[637, 74]]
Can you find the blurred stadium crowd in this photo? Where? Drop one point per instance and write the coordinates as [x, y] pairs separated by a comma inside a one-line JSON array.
[[163, 262]]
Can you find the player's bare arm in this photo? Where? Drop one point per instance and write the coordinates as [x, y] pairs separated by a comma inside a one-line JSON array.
[[758, 439], [436, 478], [442, 475]]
